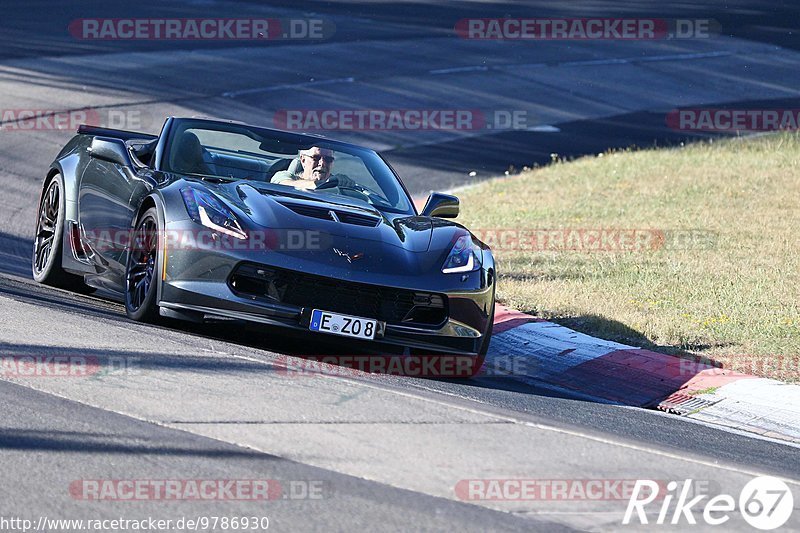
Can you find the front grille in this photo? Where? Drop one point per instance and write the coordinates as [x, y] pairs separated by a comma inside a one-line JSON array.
[[396, 306]]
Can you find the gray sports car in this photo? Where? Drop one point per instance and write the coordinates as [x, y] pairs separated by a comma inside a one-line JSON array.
[[215, 220]]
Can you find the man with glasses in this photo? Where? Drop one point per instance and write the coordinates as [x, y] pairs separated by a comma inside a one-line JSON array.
[[317, 164]]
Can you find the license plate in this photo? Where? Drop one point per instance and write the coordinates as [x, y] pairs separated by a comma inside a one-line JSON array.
[[349, 326]]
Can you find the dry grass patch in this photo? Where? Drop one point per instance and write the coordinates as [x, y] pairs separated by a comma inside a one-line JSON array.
[[725, 281]]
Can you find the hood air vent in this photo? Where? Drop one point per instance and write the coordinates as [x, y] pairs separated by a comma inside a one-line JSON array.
[[334, 215]]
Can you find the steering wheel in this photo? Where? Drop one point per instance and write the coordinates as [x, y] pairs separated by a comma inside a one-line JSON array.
[[330, 184], [371, 196]]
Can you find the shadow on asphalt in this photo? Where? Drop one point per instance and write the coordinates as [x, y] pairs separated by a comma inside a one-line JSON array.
[[31, 440], [616, 331], [345, 355], [15, 255], [492, 155]]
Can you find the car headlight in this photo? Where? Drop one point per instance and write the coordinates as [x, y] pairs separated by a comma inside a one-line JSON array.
[[465, 256], [205, 209]]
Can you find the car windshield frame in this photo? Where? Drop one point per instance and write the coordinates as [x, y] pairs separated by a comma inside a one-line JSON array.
[[391, 197]]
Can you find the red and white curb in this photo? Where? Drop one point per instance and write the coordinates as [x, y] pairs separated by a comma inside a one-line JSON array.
[[555, 357]]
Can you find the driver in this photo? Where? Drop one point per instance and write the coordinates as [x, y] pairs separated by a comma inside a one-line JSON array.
[[317, 164]]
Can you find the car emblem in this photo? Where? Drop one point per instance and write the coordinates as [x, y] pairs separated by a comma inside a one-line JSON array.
[[350, 258]]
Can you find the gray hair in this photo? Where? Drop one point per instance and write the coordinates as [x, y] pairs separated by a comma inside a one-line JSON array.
[[322, 150]]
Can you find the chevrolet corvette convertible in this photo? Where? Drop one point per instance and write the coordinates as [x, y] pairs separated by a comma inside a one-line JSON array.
[[215, 221]]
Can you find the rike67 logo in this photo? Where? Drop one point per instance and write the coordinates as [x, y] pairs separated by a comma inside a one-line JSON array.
[[765, 503]]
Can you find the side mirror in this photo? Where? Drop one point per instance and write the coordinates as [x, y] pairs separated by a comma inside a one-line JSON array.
[[112, 150], [441, 205]]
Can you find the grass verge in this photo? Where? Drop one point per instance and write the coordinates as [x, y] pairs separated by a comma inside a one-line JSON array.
[[692, 251]]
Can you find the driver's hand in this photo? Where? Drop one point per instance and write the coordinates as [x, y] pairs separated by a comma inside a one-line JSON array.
[[306, 185], [344, 180]]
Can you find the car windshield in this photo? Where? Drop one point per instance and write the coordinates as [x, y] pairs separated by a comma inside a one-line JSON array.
[[289, 162]]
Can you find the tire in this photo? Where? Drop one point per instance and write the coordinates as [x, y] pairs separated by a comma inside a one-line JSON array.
[[141, 281], [48, 240], [487, 338]]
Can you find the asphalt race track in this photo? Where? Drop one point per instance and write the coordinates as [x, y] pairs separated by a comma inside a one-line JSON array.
[[352, 451]]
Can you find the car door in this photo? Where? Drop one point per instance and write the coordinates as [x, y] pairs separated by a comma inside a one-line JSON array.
[[105, 212]]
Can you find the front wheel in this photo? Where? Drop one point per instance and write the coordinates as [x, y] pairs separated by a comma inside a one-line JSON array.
[[141, 268], [487, 338]]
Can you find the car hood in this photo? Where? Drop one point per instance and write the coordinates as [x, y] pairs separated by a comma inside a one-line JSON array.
[[350, 220], [359, 241]]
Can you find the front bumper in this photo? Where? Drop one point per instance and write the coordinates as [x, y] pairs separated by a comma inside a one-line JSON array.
[[196, 285], [212, 301]]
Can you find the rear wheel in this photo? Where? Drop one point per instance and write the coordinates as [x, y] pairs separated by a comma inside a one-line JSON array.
[[140, 272], [48, 241]]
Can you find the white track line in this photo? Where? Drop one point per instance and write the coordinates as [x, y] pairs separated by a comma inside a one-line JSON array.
[[584, 63], [365, 382], [476, 68], [315, 83], [486, 68], [469, 409]]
